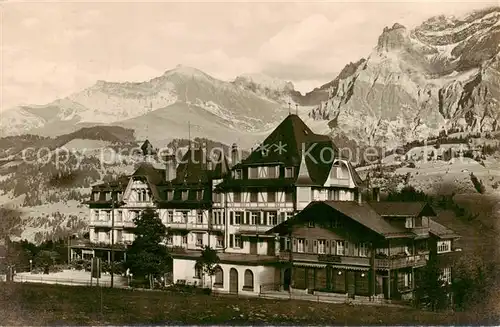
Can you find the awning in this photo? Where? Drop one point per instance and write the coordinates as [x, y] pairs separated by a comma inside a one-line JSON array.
[[309, 265], [350, 267]]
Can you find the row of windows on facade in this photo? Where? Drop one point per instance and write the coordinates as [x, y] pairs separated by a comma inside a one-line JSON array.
[[197, 240], [274, 172], [266, 218], [443, 246], [323, 246], [107, 196], [248, 281], [270, 196]]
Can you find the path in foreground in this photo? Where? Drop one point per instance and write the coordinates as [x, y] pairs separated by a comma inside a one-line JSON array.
[[39, 304]]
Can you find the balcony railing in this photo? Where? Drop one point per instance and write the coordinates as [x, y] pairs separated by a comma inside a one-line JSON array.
[[325, 258], [99, 245], [409, 261], [388, 263], [254, 228]]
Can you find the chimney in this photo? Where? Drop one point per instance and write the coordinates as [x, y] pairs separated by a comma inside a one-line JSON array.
[[376, 194], [360, 198], [170, 167], [234, 154]]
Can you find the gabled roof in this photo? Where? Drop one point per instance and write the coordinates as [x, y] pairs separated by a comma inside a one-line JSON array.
[[441, 231], [361, 213], [365, 215], [147, 147], [402, 209], [290, 141], [153, 177]]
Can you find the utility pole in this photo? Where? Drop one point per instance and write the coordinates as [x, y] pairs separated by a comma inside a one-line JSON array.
[[112, 237]]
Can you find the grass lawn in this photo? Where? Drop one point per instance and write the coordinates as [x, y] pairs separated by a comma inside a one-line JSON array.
[[42, 304]]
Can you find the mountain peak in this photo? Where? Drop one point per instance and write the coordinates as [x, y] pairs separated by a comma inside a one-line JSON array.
[[186, 71], [392, 38], [265, 81]]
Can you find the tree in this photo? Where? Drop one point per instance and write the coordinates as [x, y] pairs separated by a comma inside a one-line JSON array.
[[45, 259], [148, 257], [432, 289], [207, 262]]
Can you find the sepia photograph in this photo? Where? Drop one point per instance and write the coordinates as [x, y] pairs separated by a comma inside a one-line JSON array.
[[242, 163]]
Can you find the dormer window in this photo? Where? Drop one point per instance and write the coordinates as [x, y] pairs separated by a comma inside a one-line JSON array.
[[288, 172], [170, 195], [184, 195], [199, 195], [95, 196]]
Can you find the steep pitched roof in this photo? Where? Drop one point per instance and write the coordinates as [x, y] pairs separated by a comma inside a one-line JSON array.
[[402, 209], [153, 177], [441, 231], [290, 141], [147, 147], [361, 213], [364, 214]]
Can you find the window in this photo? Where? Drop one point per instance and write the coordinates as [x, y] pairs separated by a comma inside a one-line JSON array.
[[170, 240], [272, 218], [443, 246], [237, 197], [199, 217], [253, 172], [254, 196], [95, 214], [238, 217], [199, 195], [363, 250], [184, 195], [185, 216], [300, 245], [335, 222], [334, 195], [198, 272], [216, 197], [271, 196], [237, 242], [321, 246], [340, 248], [95, 196], [255, 217], [272, 172], [219, 277], [119, 215], [289, 196], [170, 216], [238, 174], [199, 239], [248, 282], [446, 275], [409, 223], [310, 224], [288, 172], [220, 241], [108, 215], [170, 195], [289, 215], [404, 280], [184, 239], [108, 196]]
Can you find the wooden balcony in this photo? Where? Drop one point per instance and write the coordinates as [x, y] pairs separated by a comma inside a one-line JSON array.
[[394, 263], [253, 228], [325, 258], [420, 231]]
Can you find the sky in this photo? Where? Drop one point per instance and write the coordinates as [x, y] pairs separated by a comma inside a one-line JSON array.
[[50, 49]]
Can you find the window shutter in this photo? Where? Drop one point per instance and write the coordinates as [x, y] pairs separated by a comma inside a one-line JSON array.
[[231, 218], [315, 247], [294, 246], [247, 214], [327, 247], [231, 240], [346, 247], [333, 245]]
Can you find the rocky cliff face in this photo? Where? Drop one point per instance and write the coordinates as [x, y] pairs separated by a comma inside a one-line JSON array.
[[444, 74]]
